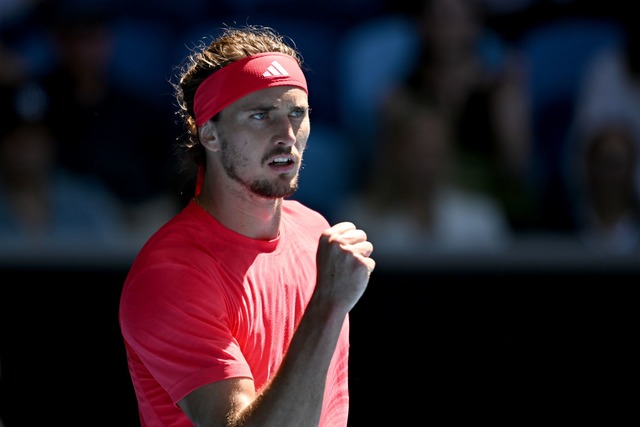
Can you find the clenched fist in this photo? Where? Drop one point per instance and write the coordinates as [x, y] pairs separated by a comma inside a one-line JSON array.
[[344, 265]]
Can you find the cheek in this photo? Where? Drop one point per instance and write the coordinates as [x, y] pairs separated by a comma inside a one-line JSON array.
[[302, 136], [301, 145], [239, 153]]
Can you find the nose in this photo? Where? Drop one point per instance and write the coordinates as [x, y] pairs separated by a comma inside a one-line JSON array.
[[286, 132]]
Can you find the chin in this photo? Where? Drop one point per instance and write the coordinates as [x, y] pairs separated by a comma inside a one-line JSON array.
[[275, 191]]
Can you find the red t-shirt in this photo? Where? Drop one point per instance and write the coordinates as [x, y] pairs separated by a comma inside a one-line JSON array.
[[203, 303]]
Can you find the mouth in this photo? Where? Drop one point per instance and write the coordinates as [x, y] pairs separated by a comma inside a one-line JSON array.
[[282, 163]]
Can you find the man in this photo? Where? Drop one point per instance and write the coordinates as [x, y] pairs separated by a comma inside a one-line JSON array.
[[235, 313]]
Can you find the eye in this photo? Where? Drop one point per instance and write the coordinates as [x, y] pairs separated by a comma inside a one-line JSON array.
[[300, 112], [259, 116]]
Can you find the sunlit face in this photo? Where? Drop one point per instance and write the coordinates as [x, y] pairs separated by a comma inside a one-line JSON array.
[[262, 140]]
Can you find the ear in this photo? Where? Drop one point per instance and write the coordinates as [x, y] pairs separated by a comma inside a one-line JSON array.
[[209, 136]]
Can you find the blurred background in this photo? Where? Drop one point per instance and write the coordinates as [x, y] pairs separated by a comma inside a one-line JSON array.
[[489, 148]]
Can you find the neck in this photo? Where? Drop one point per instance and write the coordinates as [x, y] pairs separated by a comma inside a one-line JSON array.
[[256, 218]]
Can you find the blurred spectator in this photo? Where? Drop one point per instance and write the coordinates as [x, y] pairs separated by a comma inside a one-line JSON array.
[[41, 205], [412, 203], [13, 67], [22, 42], [104, 132], [478, 82], [610, 87], [558, 53], [601, 160], [604, 190]]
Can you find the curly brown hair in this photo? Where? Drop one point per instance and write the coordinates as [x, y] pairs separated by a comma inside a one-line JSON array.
[[232, 44]]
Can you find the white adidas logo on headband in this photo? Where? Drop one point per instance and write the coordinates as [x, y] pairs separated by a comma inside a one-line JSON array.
[[275, 70]]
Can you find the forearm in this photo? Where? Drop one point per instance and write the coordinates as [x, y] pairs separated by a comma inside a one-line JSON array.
[[295, 395]]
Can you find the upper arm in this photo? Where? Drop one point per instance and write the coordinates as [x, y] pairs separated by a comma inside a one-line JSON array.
[[212, 404]]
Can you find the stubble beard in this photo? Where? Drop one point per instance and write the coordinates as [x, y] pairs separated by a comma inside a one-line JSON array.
[[265, 188]]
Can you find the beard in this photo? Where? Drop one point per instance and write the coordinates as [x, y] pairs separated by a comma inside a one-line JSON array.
[[284, 187], [269, 190]]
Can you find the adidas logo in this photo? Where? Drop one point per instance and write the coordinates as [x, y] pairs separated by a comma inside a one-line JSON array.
[[275, 70]]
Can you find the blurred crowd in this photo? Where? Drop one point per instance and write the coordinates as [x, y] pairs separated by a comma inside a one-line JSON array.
[[439, 126]]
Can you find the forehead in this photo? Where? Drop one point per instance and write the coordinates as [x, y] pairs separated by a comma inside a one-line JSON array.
[[279, 97]]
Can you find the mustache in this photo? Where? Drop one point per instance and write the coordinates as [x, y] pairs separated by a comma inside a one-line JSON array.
[[280, 151]]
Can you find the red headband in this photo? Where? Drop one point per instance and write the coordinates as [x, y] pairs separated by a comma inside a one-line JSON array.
[[242, 77]]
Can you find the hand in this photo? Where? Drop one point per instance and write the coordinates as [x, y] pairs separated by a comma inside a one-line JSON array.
[[344, 265]]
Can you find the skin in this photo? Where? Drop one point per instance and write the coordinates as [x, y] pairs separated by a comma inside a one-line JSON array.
[[244, 190]]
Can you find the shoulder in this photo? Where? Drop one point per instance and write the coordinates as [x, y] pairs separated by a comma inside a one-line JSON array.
[[180, 252], [176, 243]]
